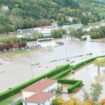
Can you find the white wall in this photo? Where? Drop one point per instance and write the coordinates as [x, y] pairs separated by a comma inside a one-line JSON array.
[[30, 104], [52, 87], [49, 101], [27, 94]]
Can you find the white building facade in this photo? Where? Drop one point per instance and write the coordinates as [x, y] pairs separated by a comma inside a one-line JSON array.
[[43, 89]]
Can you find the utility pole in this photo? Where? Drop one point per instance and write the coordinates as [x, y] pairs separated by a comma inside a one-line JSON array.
[[32, 73], [66, 48]]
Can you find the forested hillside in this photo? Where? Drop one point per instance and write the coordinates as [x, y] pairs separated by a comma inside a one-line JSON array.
[[16, 14]]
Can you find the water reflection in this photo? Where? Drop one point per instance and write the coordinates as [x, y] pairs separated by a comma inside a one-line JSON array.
[[89, 75]]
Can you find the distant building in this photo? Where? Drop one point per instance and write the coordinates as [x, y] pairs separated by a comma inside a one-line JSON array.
[[44, 87], [41, 98], [46, 30], [46, 42]]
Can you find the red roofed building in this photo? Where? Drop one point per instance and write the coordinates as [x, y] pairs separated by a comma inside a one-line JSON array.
[[44, 85], [46, 30], [41, 98]]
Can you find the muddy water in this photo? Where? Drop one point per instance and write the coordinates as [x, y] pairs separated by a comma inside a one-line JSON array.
[[89, 75], [21, 68]]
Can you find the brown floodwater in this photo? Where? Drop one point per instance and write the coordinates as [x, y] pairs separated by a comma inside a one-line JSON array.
[[23, 67], [89, 74]]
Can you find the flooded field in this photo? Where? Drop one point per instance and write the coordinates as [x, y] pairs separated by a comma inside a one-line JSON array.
[[89, 75], [15, 70]]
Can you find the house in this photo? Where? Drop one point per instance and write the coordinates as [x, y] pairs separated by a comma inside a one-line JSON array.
[[41, 98], [44, 85], [46, 30]]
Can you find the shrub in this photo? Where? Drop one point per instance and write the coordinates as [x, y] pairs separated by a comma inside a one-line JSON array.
[[67, 81], [19, 102], [74, 84]]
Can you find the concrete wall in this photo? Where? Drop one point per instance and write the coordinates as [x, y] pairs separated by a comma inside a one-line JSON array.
[[27, 94]]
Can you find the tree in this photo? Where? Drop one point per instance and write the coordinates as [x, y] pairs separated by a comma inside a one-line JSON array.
[[84, 20], [57, 101], [58, 33], [73, 101], [16, 21], [86, 95], [99, 62], [88, 102], [78, 33], [73, 32], [9, 28], [96, 90], [59, 90], [37, 34]]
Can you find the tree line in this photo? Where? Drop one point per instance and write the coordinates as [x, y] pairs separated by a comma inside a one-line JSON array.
[[22, 14]]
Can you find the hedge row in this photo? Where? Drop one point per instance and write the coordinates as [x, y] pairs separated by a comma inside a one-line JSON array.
[[63, 74], [74, 84], [63, 81], [73, 68], [57, 71], [18, 88]]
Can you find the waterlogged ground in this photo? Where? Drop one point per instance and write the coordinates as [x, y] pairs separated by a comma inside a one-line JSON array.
[[89, 74], [15, 70]]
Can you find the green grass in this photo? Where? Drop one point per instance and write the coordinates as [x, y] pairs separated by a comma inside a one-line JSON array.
[[6, 101]]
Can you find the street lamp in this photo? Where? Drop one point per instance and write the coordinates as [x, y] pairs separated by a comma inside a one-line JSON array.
[[66, 50], [32, 73]]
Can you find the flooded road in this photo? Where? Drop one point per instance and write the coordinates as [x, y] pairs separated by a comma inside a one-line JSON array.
[[18, 69]]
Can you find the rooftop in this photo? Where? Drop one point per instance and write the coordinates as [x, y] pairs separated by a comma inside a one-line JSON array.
[[40, 85], [39, 98]]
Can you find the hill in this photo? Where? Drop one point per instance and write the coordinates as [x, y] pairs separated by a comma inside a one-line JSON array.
[[16, 14]]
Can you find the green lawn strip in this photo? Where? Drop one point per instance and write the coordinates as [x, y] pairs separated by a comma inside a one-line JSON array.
[[18, 88], [6, 101]]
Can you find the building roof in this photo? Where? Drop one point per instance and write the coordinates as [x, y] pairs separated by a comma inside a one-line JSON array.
[[40, 85], [39, 98]]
